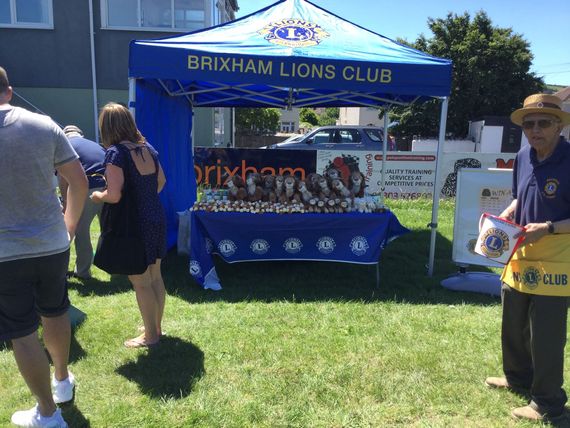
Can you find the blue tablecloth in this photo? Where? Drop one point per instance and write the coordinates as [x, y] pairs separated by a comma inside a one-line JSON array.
[[239, 237]]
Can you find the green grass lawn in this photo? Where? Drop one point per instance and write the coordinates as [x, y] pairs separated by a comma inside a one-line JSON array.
[[299, 344]]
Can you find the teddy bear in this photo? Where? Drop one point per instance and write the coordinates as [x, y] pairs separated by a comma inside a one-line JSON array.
[[324, 189], [236, 188], [357, 184], [253, 187], [306, 194], [312, 182], [269, 195], [279, 188], [340, 189], [290, 186]]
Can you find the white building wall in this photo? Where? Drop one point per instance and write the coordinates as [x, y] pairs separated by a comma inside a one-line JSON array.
[[289, 121], [359, 116]]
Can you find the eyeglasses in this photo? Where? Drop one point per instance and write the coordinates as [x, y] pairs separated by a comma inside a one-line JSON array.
[[542, 123]]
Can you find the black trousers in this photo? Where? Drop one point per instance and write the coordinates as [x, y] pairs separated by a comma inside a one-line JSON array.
[[533, 338]]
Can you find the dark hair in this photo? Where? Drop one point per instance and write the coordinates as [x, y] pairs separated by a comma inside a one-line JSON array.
[[116, 124], [4, 83]]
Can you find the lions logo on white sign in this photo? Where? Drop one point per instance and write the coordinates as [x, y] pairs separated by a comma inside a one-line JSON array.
[[195, 269], [292, 245], [326, 245], [259, 246], [359, 245], [227, 247]]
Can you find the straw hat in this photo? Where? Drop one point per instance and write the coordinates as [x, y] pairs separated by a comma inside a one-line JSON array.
[[541, 103]]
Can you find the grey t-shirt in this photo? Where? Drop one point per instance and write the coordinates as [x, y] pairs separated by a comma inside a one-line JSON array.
[[31, 221]]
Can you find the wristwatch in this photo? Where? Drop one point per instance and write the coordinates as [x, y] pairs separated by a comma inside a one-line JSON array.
[[550, 226]]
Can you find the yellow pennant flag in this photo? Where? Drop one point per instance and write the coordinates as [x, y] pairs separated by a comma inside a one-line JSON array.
[[541, 268]]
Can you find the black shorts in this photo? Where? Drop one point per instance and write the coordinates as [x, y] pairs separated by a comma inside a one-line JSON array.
[[30, 288]]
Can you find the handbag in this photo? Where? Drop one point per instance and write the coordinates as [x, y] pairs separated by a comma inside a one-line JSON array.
[[120, 249]]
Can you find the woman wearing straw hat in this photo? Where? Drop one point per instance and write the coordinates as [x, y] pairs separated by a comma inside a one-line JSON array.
[[536, 282]]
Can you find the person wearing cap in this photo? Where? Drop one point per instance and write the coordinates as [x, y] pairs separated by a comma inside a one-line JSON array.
[[92, 158], [536, 281], [34, 254]]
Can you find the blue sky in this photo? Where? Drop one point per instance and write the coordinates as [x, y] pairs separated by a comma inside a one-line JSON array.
[[545, 24]]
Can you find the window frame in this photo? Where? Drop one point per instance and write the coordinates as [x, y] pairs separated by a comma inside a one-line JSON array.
[[105, 20], [29, 25]]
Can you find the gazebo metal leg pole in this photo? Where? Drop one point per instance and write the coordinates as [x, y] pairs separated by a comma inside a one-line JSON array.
[[436, 187], [132, 95]]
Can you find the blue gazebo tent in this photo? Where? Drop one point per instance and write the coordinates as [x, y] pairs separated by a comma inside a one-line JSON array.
[[290, 54]]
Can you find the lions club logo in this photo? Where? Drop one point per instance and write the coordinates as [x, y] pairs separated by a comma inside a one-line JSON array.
[[227, 247], [494, 243], [195, 269], [326, 245], [293, 33], [531, 278], [359, 245], [259, 246], [551, 187], [292, 245]]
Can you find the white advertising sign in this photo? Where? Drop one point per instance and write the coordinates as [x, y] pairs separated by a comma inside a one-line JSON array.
[[410, 175], [478, 191]]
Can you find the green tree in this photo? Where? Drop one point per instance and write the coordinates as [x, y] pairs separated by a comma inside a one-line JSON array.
[[329, 116], [491, 74], [308, 115], [257, 121]]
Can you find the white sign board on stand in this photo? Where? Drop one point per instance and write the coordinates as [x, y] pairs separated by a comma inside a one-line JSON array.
[[478, 191]]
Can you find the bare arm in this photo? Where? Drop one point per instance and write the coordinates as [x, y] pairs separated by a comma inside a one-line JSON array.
[[161, 178], [509, 212], [72, 172], [115, 180], [63, 186], [535, 231]]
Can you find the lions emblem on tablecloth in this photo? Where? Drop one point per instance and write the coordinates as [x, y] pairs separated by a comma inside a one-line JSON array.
[[359, 245], [259, 246], [293, 245], [227, 247], [326, 245]]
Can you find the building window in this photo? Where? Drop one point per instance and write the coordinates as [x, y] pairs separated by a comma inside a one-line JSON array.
[[287, 126], [26, 14], [155, 15]]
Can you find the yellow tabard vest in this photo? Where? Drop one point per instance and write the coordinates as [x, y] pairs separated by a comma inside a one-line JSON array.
[[541, 268]]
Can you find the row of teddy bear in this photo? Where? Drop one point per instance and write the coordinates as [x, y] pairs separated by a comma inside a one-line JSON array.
[[325, 193], [289, 189]]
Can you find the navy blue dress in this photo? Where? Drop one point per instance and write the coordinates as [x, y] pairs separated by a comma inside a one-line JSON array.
[[151, 216]]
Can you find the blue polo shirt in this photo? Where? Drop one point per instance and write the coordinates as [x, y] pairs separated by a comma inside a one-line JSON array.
[[92, 158], [542, 189]]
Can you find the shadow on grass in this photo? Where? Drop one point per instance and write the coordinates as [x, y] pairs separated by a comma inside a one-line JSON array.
[[74, 417], [403, 278], [168, 370], [93, 287]]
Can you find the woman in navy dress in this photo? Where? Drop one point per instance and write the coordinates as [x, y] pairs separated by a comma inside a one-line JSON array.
[[130, 157]]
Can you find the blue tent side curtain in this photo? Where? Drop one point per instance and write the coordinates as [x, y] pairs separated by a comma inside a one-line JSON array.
[[290, 54]]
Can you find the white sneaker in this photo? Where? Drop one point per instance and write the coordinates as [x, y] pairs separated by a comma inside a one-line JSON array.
[[63, 389], [32, 418]]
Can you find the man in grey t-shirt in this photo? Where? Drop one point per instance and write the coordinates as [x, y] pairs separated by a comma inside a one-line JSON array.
[[34, 254]]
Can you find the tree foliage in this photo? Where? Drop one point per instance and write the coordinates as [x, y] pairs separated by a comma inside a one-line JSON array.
[[491, 74], [308, 115], [257, 121], [329, 116]]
